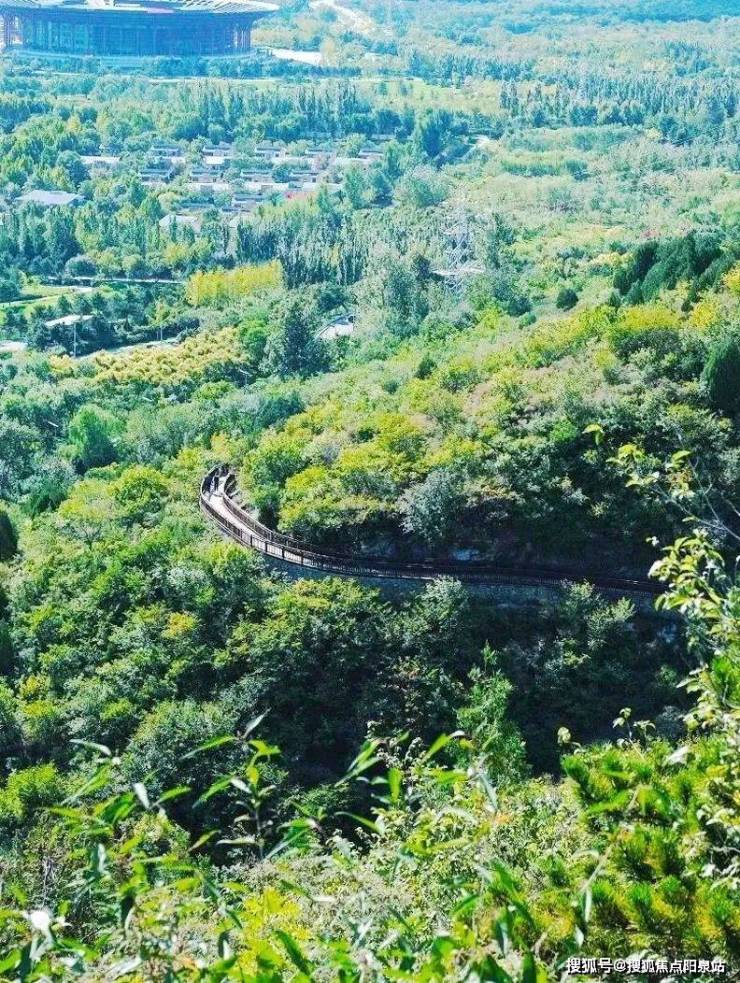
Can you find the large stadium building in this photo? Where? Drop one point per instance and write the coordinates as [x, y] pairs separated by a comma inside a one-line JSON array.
[[138, 28]]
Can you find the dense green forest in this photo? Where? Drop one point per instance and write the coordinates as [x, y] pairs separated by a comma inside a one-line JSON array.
[[463, 287]]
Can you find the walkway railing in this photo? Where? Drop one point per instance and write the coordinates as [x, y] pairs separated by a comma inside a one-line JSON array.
[[218, 500]]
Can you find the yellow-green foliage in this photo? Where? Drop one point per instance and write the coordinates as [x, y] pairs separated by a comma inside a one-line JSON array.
[[214, 288], [140, 491], [634, 322], [27, 790], [200, 358], [732, 280], [346, 460]]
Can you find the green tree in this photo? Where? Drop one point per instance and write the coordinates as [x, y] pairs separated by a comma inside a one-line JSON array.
[[485, 720], [93, 433], [431, 131], [8, 537], [18, 446], [355, 187], [61, 240], [566, 299], [422, 188], [10, 286], [432, 509], [10, 727], [721, 374], [140, 492], [323, 647], [294, 349], [73, 167]]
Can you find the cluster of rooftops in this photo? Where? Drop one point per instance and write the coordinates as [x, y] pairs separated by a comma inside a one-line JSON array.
[[223, 177]]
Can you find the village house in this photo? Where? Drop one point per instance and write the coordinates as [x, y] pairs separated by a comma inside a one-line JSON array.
[[99, 164], [181, 221], [50, 199], [341, 326]]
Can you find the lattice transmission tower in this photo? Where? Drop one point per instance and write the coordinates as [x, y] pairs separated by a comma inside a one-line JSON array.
[[459, 233]]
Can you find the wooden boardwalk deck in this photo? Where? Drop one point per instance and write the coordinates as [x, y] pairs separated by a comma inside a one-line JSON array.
[[218, 500]]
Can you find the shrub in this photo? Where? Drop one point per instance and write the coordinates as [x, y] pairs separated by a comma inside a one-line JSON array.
[[426, 367], [8, 538], [721, 375], [27, 790], [93, 433], [432, 509], [567, 299]]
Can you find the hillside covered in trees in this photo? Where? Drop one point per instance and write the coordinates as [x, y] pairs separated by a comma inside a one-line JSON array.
[[462, 287]]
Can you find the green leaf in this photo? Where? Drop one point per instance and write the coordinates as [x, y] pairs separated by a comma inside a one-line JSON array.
[[218, 786], [209, 746], [97, 859], [597, 430], [506, 885], [202, 840], [489, 969], [443, 946], [10, 961], [442, 777], [502, 930], [532, 971], [106, 751], [394, 784], [368, 823], [366, 759], [679, 756], [294, 952], [466, 905], [238, 783], [94, 784], [442, 741], [125, 967], [141, 794], [173, 793], [254, 724], [126, 908], [65, 812], [586, 904]]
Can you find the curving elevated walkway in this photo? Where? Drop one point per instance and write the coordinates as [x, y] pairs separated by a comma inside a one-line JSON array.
[[219, 501]]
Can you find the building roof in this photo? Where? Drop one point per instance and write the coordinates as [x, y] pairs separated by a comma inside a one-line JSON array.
[[47, 199], [341, 326], [69, 319], [108, 160], [154, 7], [191, 221]]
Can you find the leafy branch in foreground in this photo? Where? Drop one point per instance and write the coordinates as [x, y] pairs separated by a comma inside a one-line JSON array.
[[146, 884], [639, 857], [453, 874], [678, 484]]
